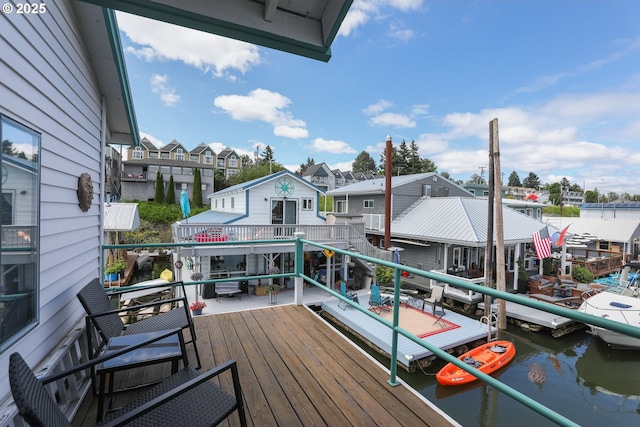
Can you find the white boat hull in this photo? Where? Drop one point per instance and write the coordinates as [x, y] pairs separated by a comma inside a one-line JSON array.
[[616, 307]]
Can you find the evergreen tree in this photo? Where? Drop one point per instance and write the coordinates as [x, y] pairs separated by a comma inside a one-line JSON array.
[[414, 162], [304, 166], [266, 156], [401, 166], [531, 181], [246, 161], [159, 195], [171, 192], [364, 163], [428, 166], [219, 180], [197, 188], [514, 180]]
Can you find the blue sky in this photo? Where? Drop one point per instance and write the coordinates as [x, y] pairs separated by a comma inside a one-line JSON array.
[[562, 77]]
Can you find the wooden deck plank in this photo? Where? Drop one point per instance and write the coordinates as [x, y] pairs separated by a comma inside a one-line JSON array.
[[295, 370]]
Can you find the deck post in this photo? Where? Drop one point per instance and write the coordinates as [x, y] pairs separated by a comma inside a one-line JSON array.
[[298, 282]]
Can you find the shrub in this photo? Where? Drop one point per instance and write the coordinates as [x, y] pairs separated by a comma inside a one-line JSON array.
[[384, 274], [582, 274]]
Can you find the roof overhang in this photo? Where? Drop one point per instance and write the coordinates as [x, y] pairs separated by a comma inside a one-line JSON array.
[[102, 39], [301, 27]]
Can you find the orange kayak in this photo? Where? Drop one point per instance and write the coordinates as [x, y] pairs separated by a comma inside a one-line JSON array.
[[486, 358]]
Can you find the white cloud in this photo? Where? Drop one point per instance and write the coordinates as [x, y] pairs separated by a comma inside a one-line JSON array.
[[362, 11], [392, 120], [332, 146], [158, 41], [265, 106], [167, 94], [555, 139], [378, 107], [400, 33]]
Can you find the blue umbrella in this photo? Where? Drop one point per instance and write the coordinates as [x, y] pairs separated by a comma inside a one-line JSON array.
[[184, 204]]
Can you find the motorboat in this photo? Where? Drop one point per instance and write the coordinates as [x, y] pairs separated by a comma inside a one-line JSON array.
[[620, 303], [486, 358]]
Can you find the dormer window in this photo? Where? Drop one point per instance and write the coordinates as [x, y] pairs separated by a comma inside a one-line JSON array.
[[233, 161], [179, 154], [208, 157], [137, 153]]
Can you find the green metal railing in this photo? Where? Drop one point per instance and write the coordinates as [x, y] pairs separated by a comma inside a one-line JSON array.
[[301, 242]]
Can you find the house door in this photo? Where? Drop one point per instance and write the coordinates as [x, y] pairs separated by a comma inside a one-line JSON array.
[[284, 212]]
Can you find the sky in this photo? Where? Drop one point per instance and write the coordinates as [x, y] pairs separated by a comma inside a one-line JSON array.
[[561, 76]]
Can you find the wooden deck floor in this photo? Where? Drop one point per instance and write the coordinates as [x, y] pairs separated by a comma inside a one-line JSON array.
[[297, 371]]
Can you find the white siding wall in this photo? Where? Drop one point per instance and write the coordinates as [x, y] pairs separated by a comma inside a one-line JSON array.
[[46, 83], [259, 210]]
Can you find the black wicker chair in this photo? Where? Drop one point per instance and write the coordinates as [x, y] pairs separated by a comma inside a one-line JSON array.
[[185, 398], [109, 324]]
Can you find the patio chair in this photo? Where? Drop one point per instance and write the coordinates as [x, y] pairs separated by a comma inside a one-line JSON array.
[[108, 323], [352, 296], [185, 398], [377, 303], [435, 300]]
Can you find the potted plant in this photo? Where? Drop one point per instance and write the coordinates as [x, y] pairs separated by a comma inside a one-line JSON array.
[[112, 270], [197, 306]]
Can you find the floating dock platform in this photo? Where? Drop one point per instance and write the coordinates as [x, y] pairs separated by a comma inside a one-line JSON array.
[[410, 354]]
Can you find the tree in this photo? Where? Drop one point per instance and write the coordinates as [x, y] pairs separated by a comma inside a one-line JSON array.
[[531, 181], [171, 192], [7, 148], [219, 180], [402, 166], [197, 188], [612, 196], [304, 166], [414, 161], [477, 179], [246, 161], [364, 163], [554, 193], [514, 180], [590, 196], [428, 166], [159, 195], [266, 156], [254, 173]]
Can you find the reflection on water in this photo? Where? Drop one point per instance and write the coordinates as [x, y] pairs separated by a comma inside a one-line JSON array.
[[577, 376]]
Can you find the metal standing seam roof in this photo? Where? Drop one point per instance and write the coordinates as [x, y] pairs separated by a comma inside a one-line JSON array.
[[461, 220], [377, 185], [121, 216], [606, 229]]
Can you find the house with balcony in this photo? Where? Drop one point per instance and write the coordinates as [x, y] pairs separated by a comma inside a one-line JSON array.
[[229, 162], [322, 176], [139, 173], [272, 207]]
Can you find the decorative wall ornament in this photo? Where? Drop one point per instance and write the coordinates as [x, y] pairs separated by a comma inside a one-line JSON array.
[[85, 192]]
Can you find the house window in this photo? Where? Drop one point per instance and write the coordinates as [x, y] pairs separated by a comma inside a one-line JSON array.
[[603, 246], [220, 163], [137, 153], [207, 172], [307, 204], [233, 202], [179, 154], [183, 186], [222, 203], [153, 154], [341, 206], [233, 162], [19, 255], [368, 204], [176, 170], [208, 157], [165, 170], [204, 187]]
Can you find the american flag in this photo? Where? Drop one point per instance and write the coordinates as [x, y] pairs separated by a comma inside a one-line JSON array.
[[542, 243]]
